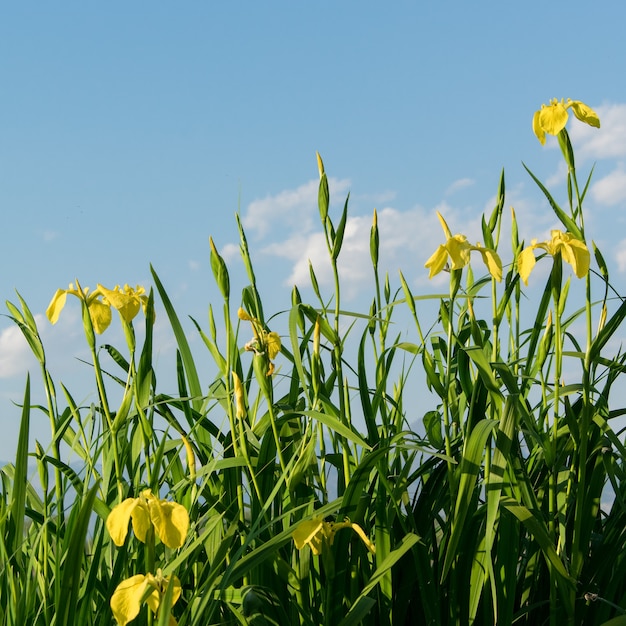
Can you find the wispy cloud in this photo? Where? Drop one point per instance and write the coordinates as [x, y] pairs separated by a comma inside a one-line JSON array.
[[291, 208], [457, 185], [407, 237], [15, 355], [620, 255], [611, 189], [609, 141]]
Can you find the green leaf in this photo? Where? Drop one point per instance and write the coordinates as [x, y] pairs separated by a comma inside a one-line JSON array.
[[185, 352]]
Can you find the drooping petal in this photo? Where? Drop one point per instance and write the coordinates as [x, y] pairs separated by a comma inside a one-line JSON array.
[[437, 261], [118, 520], [56, 305], [100, 314], [141, 519], [492, 260], [575, 252], [459, 251], [126, 599], [311, 533], [537, 129], [272, 341], [525, 263], [171, 521], [553, 117], [584, 113], [364, 538]]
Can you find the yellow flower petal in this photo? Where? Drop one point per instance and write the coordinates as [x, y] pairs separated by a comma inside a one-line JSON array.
[[537, 129], [100, 315], [361, 533], [118, 520], [141, 520], [492, 260], [525, 263], [459, 251], [575, 252], [553, 117], [171, 522], [272, 341], [585, 113], [437, 261], [444, 225], [312, 533], [160, 584], [56, 305], [127, 597], [126, 301]]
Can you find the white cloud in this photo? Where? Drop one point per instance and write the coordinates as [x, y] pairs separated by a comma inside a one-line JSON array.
[[620, 255], [457, 185], [291, 208], [230, 252], [611, 189], [407, 239], [15, 354], [609, 141]]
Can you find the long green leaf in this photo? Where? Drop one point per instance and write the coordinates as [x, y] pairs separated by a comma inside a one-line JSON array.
[[183, 345]]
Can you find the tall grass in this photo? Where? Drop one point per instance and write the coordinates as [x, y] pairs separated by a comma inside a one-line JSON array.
[[319, 490]]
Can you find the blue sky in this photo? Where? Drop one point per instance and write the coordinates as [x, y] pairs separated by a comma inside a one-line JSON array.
[[132, 131]]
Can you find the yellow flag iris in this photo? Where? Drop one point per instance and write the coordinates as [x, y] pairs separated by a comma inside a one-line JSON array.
[[551, 118], [572, 251], [127, 301], [129, 595], [99, 309], [456, 251], [170, 520], [317, 532]]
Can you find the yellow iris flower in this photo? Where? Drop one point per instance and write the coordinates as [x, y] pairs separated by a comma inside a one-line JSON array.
[[127, 301], [457, 251], [99, 309], [129, 595], [572, 250], [316, 532], [170, 520], [552, 118], [264, 342]]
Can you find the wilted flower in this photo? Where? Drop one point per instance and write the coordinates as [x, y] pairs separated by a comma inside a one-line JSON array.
[[572, 250], [552, 118], [457, 251], [129, 595], [170, 520], [264, 342]]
